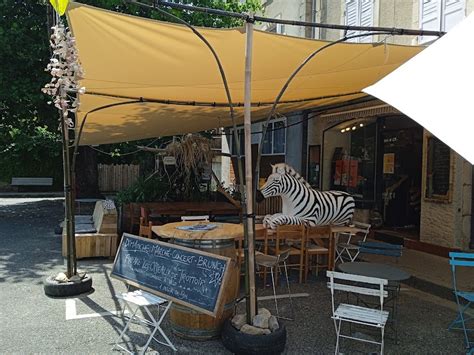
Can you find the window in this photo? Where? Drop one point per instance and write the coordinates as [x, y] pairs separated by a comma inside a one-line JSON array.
[[353, 164], [277, 27], [440, 15], [275, 139], [359, 13], [438, 170]]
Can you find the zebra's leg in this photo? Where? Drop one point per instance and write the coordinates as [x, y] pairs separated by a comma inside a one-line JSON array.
[[279, 219], [269, 220]]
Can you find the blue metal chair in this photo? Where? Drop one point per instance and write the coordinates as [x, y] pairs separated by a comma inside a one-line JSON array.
[[463, 298]]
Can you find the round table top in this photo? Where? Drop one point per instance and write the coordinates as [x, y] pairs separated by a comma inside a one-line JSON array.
[[222, 231], [382, 271]]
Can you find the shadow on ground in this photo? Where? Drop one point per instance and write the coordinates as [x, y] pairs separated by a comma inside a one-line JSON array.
[[29, 251]]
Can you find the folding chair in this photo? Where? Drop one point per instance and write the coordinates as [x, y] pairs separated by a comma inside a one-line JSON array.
[[353, 313], [141, 299], [351, 250], [463, 298], [261, 246], [273, 262]]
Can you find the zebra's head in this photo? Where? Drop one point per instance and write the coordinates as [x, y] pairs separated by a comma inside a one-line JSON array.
[[274, 185]]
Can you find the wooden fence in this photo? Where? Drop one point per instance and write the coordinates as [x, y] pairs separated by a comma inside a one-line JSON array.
[[117, 177]]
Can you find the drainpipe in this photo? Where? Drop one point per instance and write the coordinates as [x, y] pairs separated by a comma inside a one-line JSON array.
[[471, 243], [304, 146]]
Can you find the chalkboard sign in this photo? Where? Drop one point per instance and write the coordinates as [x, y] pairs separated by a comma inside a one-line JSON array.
[[187, 276]]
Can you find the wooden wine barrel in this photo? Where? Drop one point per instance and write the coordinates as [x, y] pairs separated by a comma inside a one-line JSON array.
[[191, 324]]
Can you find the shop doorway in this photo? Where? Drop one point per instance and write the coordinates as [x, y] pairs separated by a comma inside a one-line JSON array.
[[401, 166], [378, 160]]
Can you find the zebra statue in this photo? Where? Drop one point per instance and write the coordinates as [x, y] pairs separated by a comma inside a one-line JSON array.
[[302, 204]]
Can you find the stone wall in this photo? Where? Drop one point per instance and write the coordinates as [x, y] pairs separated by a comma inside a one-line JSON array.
[[448, 223]]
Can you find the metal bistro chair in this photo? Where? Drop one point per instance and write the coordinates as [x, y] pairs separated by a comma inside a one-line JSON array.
[[463, 298], [136, 300], [273, 262], [261, 247], [353, 313], [350, 248]]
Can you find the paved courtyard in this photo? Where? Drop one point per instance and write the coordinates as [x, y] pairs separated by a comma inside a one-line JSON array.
[[33, 323]]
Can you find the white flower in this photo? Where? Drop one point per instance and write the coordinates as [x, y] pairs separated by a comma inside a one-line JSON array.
[[66, 71]]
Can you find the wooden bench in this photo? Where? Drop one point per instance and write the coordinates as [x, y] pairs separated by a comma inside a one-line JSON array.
[[380, 248], [32, 181], [96, 237]]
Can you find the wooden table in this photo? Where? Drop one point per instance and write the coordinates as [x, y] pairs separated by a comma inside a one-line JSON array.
[[335, 230], [382, 271], [222, 231], [165, 210], [236, 232]]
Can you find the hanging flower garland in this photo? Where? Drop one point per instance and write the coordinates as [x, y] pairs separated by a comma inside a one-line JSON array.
[[66, 71]]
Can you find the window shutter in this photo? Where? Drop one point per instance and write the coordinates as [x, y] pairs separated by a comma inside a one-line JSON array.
[[352, 16], [453, 13], [359, 13], [430, 18], [366, 17]]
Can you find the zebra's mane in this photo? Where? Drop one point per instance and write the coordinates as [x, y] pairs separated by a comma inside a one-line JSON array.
[[283, 168]]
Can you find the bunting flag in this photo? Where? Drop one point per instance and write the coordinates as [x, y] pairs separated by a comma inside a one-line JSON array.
[[60, 6]]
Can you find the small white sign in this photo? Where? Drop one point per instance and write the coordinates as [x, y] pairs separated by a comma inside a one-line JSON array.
[[169, 160]]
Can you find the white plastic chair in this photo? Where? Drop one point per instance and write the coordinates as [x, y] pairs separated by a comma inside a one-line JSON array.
[[353, 313], [351, 250]]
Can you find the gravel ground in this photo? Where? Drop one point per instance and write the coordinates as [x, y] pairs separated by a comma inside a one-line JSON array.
[[33, 323]]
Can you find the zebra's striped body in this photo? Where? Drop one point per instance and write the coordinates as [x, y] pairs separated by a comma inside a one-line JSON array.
[[302, 204]]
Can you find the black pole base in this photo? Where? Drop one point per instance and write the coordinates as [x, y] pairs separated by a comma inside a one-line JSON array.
[[53, 288], [246, 344]]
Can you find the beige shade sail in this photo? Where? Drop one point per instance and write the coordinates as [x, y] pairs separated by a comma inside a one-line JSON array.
[[127, 58]]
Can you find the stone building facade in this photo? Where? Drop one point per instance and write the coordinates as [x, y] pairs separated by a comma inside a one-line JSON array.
[[444, 219]]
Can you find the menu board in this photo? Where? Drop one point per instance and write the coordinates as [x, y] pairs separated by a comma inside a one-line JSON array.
[[187, 276]]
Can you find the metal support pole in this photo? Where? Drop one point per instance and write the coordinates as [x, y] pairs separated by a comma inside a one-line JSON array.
[[250, 250], [68, 202], [471, 241]]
